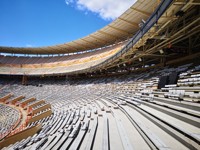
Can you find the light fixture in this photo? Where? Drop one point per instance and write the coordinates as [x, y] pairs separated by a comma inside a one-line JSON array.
[[143, 21], [161, 51]]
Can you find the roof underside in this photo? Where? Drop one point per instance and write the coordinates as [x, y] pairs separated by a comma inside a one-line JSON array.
[[121, 29]]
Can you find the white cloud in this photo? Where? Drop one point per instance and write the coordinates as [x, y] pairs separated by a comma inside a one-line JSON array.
[[69, 1], [29, 45], [106, 9]]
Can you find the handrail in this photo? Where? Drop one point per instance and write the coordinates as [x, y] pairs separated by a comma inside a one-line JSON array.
[[147, 25]]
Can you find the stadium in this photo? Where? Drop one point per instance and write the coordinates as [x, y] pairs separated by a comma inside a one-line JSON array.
[[133, 84]]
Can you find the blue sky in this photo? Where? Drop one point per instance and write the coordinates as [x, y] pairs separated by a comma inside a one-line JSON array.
[[33, 23]]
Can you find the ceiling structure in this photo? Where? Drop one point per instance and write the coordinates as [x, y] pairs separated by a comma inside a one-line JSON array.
[[174, 35], [123, 28]]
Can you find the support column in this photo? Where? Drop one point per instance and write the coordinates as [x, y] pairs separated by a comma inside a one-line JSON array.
[[24, 80]]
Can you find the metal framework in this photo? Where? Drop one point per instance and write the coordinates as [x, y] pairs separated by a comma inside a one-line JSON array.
[[165, 28]]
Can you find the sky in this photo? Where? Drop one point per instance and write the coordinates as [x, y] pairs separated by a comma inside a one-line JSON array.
[[34, 23]]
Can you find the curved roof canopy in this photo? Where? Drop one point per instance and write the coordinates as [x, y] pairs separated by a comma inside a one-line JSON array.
[[121, 29]]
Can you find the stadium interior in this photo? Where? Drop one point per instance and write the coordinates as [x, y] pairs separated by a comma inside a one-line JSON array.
[[134, 84]]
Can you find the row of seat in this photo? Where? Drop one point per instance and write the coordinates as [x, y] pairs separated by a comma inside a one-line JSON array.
[[41, 60], [79, 104], [9, 119]]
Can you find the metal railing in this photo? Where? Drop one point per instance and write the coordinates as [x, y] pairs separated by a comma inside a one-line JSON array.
[[143, 30]]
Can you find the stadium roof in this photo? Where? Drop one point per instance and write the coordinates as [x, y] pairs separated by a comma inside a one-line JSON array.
[[123, 28]]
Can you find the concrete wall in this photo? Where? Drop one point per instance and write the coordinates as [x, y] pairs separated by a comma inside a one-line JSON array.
[[38, 117]]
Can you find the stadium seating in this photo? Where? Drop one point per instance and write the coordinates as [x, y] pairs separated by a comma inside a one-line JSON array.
[[84, 110], [58, 64], [9, 119], [138, 96], [16, 113]]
